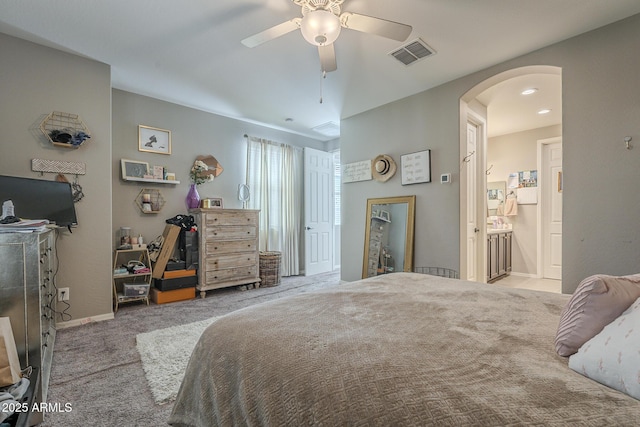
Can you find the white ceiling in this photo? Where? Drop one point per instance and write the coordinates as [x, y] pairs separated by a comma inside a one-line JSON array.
[[189, 52]]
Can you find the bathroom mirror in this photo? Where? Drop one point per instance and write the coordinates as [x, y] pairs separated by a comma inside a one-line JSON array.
[[388, 241], [496, 195]]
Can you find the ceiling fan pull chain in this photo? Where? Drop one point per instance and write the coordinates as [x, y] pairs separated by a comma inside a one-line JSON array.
[[324, 76]]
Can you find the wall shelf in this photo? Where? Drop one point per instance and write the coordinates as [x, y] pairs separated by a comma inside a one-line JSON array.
[[155, 200], [71, 130], [152, 181]]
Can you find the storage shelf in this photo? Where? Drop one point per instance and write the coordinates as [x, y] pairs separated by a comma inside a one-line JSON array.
[[122, 298], [156, 201], [122, 257], [153, 181], [64, 123], [129, 275]]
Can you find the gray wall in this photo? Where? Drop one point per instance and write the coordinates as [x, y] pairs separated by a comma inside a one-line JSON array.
[[193, 133], [512, 153], [600, 90], [36, 81]]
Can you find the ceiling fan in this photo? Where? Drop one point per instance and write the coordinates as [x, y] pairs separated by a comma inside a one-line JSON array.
[[321, 23]]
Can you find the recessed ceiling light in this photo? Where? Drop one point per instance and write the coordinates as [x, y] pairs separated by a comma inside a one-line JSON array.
[[544, 111], [529, 91]]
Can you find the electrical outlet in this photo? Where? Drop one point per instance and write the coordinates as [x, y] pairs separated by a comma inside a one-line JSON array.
[[63, 294]]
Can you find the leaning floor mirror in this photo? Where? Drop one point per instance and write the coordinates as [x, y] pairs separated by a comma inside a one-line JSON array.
[[388, 241]]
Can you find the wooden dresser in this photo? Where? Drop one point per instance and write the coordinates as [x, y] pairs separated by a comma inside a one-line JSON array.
[[228, 247]]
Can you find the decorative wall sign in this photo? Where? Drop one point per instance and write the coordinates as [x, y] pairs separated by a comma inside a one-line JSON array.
[[356, 171], [416, 167], [154, 140], [58, 166]]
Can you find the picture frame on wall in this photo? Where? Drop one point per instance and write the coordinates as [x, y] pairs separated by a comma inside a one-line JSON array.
[[154, 140], [134, 169], [416, 167]]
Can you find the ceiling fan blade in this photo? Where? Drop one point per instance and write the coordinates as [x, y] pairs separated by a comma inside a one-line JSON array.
[[378, 26], [327, 58], [272, 33]]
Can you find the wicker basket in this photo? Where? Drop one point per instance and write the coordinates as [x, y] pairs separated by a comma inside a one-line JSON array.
[[270, 274], [437, 271]]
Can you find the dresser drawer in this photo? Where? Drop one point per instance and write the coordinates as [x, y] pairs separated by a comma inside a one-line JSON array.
[[229, 261], [229, 247], [212, 219], [234, 232], [221, 276]]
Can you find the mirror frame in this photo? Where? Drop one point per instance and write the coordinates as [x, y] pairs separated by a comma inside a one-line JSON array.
[[411, 208]]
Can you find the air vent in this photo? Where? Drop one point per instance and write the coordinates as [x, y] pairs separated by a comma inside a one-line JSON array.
[[331, 129], [413, 51]]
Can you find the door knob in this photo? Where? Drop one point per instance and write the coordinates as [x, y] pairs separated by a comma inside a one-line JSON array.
[[475, 230], [308, 228]]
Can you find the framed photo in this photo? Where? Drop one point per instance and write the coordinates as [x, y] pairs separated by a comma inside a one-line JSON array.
[[416, 167], [134, 169], [211, 202], [154, 140], [158, 172]]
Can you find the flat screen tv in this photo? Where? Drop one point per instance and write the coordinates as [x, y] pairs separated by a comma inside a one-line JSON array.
[[40, 199]]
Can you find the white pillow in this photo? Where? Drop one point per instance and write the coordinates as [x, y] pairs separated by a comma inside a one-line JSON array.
[[612, 357]]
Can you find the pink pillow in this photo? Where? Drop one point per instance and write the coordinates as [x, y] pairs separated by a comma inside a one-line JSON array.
[[597, 301]]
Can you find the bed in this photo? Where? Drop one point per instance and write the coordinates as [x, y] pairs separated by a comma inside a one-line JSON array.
[[400, 349]]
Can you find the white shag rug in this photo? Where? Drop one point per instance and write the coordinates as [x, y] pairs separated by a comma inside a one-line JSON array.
[[165, 354]]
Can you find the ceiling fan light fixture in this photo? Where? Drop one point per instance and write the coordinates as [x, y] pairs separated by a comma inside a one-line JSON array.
[[320, 27]]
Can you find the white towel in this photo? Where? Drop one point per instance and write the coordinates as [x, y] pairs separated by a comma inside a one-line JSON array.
[[511, 207]]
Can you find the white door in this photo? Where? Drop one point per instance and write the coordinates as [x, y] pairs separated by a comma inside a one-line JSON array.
[[552, 210], [318, 211], [472, 228]]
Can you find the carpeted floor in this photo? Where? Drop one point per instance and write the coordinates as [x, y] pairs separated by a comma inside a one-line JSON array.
[[98, 371]]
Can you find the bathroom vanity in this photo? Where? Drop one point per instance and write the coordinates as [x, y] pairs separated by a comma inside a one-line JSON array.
[[498, 254]]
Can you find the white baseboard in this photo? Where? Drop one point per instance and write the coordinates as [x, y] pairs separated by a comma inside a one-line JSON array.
[[84, 321]]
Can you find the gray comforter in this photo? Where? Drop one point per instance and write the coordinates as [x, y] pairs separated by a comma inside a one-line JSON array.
[[400, 349]]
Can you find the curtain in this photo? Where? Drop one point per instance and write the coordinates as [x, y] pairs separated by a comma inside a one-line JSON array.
[[275, 178]]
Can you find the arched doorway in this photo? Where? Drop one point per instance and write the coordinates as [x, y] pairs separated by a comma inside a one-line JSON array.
[[474, 120]]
